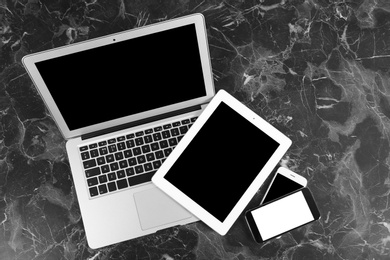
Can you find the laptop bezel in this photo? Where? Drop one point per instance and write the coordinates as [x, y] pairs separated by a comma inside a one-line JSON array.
[[29, 62], [179, 195]]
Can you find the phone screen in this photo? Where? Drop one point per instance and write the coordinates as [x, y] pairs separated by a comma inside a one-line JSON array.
[[281, 186], [282, 215]]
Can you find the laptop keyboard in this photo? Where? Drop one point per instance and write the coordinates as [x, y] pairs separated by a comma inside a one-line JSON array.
[[130, 160]]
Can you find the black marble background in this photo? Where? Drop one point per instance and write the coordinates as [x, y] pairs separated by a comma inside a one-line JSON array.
[[318, 70]]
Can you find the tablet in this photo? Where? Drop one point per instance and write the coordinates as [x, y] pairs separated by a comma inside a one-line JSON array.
[[221, 162]]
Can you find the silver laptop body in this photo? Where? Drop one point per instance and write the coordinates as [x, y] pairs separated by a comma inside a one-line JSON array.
[[113, 97]]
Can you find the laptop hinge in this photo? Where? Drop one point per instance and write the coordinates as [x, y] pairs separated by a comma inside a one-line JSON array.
[[140, 122]]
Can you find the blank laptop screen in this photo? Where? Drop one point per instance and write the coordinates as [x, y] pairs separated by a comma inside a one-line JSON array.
[[125, 78]]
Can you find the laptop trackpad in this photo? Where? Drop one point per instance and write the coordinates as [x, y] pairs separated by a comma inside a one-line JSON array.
[[155, 208]]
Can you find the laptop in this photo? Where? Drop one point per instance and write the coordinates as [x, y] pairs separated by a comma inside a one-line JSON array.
[[123, 102]]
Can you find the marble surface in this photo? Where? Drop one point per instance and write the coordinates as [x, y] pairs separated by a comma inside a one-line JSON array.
[[318, 70]]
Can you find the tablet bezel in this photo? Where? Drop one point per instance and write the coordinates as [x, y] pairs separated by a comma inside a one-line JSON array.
[[187, 202]]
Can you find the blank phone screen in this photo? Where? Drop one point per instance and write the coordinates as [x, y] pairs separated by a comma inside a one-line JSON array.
[[282, 215]]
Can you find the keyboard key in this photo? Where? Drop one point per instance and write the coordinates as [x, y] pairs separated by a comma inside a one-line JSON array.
[[103, 151], [94, 153], [167, 152], [92, 146], [112, 141], [130, 171], [136, 151], [100, 160], [163, 144], [146, 148], [132, 161], [128, 153], [130, 143], [112, 148], [194, 119], [129, 136], [185, 121], [83, 148], [148, 139], [141, 159], [122, 184], [176, 124], [183, 129], [121, 174], [111, 186], [148, 167], [103, 179], [158, 128], [159, 154], [92, 181], [85, 156], [167, 126], [154, 146], [166, 134], [121, 138], [123, 164], [139, 169], [111, 176], [93, 191], [103, 189], [119, 156], [172, 142], [121, 146], [102, 143], [141, 133], [92, 172], [157, 137], [175, 132], [150, 157], [156, 164], [105, 168], [138, 179], [110, 158], [139, 141], [114, 166], [148, 131]]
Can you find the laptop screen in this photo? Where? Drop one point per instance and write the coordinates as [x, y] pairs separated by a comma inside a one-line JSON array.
[[125, 78]]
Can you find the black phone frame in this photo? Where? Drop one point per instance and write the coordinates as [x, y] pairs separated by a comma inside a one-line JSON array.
[[310, 201]]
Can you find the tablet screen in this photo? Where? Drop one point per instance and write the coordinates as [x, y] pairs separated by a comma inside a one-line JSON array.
[[221, 161]]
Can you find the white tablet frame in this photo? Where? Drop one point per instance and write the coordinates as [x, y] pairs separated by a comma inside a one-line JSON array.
[[196, 209]]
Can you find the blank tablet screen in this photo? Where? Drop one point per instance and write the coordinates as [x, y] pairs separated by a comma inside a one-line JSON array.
[[221, 161]]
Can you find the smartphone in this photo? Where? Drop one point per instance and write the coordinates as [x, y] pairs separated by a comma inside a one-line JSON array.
[[280, 216], [284, 182]]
